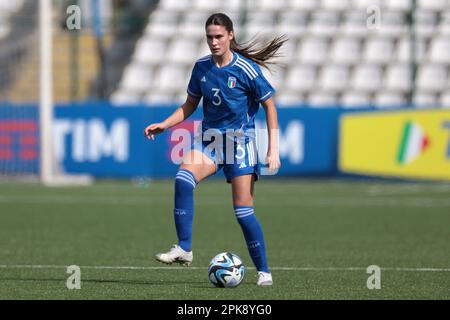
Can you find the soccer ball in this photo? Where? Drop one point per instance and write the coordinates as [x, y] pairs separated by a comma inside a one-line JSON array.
[[226, 270]]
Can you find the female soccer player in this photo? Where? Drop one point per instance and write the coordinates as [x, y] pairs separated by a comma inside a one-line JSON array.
[[232, 86]]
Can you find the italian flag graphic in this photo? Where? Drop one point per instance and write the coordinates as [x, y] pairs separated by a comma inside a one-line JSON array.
[[414, 142]]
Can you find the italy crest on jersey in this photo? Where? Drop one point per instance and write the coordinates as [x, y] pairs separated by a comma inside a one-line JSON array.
[[231, 82]]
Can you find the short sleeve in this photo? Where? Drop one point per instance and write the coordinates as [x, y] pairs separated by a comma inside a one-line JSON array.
[[262, 89], [193, 88]]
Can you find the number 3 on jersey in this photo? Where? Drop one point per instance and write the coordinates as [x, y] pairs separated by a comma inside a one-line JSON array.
[[217, 101]]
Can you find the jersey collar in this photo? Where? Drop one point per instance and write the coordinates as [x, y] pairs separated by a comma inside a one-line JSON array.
[[235, 56]]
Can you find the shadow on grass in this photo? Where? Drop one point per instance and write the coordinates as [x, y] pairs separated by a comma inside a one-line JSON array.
[[197, 284]]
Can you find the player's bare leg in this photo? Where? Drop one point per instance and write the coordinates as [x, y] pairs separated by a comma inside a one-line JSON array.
[[199, 164], [242, 189]]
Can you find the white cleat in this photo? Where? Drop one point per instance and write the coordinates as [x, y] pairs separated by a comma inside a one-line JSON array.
[[264, 279], [176, 254]]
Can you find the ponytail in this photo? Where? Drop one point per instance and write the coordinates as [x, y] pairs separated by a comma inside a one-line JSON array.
[[262, 55]]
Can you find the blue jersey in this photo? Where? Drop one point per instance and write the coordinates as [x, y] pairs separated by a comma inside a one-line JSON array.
[[231, 94]]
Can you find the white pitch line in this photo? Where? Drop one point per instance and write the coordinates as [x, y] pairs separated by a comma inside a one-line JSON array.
[[5, 266], [341, 201]]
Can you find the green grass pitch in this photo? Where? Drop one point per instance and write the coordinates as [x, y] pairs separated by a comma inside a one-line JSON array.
[[321, 235]]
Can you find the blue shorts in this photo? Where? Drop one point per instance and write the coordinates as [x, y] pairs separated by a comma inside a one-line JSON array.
[[237, 155]]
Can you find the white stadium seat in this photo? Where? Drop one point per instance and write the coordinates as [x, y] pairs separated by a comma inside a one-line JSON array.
[[207, 5], [404, 50], [193, 24], [424, 100], [354, 25], [339, 5], [364, 4], [260, 17], [203, 51], [164, 17], [216, 5], [432, 78], [444, 26], [260, 23], [288, 98], [445, 100], [162, 97], [183, 50], [301, 78], [393, 24], [426, 23], [313, 50], [345, 50], [233, 5], [379, 50], [334, 78], [266, 4], [389, 100], [353, 99], [125, 97], [170, 78], [292, 23], [275, 77], [367, 78], [398, 77], [162, 24], [9, 7], [287, 52], [303, 5], [402, 5], [5, 29], [324, 23], [436, 5], [149, 50], [322, 99], [175, 5], [440, 50], [137, 78]]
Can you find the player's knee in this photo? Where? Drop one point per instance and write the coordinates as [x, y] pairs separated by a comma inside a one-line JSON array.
[[185, 180], [242, 200]]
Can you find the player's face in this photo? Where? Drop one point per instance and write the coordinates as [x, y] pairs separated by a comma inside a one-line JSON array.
[[218, 39]]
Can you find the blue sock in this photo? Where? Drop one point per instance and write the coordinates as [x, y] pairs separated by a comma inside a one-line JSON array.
[[184, 207], [253, 236]]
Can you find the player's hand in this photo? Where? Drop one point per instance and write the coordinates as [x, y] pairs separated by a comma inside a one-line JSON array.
[[152, 130], [273, 160]]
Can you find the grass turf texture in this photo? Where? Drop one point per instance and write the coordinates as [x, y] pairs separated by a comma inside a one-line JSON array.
[[308, 224]]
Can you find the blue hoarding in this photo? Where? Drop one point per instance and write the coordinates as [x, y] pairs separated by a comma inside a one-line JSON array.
[[106, 141]]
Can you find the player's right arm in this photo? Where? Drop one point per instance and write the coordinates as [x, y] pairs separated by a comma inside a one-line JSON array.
[[179, 115], [193, 98]]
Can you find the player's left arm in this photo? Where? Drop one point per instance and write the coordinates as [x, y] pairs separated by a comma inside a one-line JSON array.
[[273, 153]]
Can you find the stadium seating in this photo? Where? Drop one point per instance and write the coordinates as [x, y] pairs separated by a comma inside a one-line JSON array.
[[7, 8], [445, 100], [333, 55], [334, 78], [398, 78], [353, 99], [136, 78], [301, 78], [385, 99], [292, 23], [345, 51]]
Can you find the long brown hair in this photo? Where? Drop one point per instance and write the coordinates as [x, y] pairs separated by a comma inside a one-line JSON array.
[[252, 49]]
